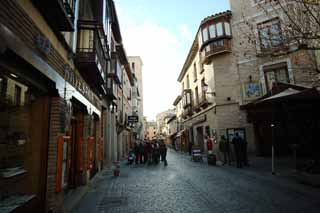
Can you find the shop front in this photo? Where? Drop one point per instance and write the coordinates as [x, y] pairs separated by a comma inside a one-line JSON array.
[[49, 129], [24, 113], [286, 118]]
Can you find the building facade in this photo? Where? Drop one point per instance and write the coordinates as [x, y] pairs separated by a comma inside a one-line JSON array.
[[269, 61], [60, 73], [150, 130], [161, 122], [137, 101], [211, 87]]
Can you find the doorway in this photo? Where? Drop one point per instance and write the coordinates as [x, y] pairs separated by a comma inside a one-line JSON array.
[[200, 137]]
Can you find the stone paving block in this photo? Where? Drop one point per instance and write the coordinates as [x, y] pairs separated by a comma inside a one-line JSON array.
[[190, 187]]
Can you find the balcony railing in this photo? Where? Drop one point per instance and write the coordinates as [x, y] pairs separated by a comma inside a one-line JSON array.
[[215, 47], [58, 13], [91, 56], [187, 112]]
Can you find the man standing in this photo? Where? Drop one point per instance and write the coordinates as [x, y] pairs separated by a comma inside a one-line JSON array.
[[237, 142], [141, 153], [163, 153], [224, 147]]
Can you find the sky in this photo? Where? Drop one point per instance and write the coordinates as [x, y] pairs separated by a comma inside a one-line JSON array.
[[161, 33]]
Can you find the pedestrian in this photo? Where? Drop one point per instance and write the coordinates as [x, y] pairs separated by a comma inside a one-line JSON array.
[[209, 145], [244, 152], [163, 153], [190, 147], [136, 152], [130, 157], [237, 140], [149, 152], [156, 153], [141, 153], [145, 152], [224, 147]]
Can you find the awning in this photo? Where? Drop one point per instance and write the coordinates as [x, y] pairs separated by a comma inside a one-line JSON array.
[[285, 94], [293, 95]]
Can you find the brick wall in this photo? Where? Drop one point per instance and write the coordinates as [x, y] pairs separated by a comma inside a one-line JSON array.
[[54, 200]]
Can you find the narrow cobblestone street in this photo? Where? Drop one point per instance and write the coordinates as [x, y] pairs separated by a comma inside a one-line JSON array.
[[185, 186]]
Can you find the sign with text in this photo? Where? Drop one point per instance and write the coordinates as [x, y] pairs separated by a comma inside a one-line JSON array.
[[133, 119]]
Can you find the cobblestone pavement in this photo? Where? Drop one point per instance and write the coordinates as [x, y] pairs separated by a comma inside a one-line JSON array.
[[186, 186]]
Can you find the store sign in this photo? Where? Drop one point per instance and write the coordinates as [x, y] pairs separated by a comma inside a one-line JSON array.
[[199, 119], [78, 83], [133, 119], [43, 44]]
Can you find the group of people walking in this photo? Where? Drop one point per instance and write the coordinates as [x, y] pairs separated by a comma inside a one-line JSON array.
[[148, 152], [240, 150]]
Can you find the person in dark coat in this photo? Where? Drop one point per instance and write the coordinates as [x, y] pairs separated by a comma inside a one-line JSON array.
[[244, 152], [149, 152], [163, 153], [224, 147], [156, 154], [145, 152], [136, 152], [237, 142], [141, 153]]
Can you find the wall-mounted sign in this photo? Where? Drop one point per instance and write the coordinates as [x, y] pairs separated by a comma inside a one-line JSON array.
[[43, 44], [133, 119], [251, 90]]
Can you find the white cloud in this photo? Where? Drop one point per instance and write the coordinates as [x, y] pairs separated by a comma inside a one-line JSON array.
[[162, 57], [185, 32]]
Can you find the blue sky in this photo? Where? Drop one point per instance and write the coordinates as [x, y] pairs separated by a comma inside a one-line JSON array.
[[161, 32]]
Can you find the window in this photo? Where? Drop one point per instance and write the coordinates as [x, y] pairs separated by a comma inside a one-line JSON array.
[[17, 95], [203, 83], [188, 83], [276, 73], [86, 40], [227, 28], [196, 94], [219, 29], [270, 34], [205, 34], [212, 31], [195, 72]]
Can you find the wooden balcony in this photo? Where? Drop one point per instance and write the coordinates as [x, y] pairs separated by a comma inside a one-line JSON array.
[[58, 13], [111, 88], [187, 112], [115, 71], [215, 47], [91, 53]]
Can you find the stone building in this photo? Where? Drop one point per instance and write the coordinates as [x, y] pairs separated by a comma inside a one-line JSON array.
[[269, 63], [161, 123], [137, 95], [151, 130], [211, 89]]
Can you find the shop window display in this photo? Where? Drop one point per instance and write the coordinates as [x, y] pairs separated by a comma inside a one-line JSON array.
[[17, 141]]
